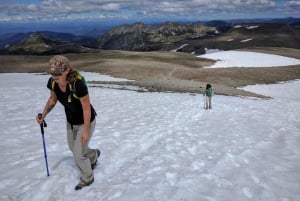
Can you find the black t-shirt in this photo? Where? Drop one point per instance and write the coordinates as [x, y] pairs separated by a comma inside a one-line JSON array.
[[72, 105]]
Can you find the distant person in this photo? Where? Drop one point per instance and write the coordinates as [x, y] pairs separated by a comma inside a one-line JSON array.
[[208, 93], [68, 87]]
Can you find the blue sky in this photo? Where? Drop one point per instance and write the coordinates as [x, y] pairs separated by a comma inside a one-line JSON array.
[[144, 10]]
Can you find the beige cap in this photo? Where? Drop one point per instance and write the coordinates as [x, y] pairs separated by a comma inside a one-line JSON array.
[[58, 64]]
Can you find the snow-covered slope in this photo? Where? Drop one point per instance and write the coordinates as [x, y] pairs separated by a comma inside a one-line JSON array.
[[155, 146]]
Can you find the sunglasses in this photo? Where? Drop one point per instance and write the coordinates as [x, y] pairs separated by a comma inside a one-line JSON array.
[[56, 74]]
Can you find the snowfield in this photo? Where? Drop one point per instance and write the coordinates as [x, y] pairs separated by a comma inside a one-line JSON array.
[[225, 59], [155, 146]]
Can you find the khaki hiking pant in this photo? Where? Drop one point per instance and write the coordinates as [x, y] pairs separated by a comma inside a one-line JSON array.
[[82, 154]]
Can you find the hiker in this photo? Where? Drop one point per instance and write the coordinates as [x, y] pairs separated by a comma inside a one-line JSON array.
[[69, 88], [208, 93]]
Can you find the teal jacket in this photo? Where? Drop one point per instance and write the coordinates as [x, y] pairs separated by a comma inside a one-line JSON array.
[[209, 92]]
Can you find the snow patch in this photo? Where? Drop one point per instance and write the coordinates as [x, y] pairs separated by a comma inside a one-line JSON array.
[[246, 40], [225, 59], [252, 27]]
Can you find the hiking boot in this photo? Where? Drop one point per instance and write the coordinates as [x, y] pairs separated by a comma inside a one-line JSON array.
[[83, 184], [94, 163]]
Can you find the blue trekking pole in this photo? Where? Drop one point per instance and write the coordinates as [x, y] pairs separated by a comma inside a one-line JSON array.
[[44, 145]]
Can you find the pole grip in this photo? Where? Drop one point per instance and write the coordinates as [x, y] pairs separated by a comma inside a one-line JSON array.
[[40, 115], [43, 124]]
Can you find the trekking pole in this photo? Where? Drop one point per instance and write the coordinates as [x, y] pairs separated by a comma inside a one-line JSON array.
[[203, 101], [43, 124]]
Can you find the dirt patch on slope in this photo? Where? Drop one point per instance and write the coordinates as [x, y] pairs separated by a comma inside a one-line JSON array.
[[165, 71]]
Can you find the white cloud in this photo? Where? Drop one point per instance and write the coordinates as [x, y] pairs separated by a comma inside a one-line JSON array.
[[61, 9], [32, 7], [293, 3]]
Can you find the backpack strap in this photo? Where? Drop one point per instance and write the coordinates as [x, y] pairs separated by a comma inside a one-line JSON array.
[[52, 84], [73, 88]]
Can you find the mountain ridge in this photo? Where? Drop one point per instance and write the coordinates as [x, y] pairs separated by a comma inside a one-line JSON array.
[[193, 38], [40, 44]]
